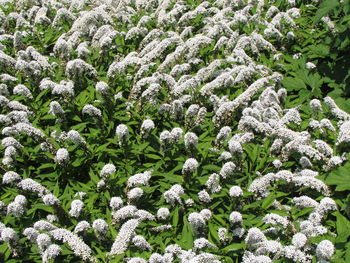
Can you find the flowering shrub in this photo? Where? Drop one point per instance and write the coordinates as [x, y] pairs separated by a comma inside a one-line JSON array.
[[169, 131]]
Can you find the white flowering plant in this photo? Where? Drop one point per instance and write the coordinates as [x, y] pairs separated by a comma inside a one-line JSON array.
[[173, 131]]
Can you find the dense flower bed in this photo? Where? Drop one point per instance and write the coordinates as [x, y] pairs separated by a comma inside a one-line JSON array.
[[167, 131]]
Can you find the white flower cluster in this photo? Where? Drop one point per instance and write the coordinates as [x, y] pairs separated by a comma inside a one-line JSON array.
[[62, 156], [76, 69], [167, 139], [325, 250], [227, 169], [146, 127], [82, 226], [163, 213], [173, 195], [50, 199], [191, 140], [235, 191], [199, 220], [75, 137], [189, 73], [122, 133], [56, 109], [261, 184], [140, 242], [17, 207], [135, 194], [74, 242], [213, 183], [7, 234], [124, 212], [51, 252], [139, 179], [76, 208], [190, 166], [102, 87], [92, 111], [100, 226], [107, 170], [124, 237]]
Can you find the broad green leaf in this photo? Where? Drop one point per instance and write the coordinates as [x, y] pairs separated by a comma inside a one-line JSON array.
[[343, 227], [293, 84], [325, 8], [339, 177], [234, 247], [186, 235], [268, 201]]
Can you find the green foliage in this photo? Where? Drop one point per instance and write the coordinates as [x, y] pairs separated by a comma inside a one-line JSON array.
[[315, 43]]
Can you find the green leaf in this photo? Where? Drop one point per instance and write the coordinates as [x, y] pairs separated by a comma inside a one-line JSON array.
[[343, 227], [40, 207], [211, 168], [77, 162], [234, 247], [176, 217], [5, 250], [315, 81], [268, 201], [293, 84], [173, 178], [339, 177], [76, 118], [186, 235], [304, 212], [318, 51], [46, 165], [153, 156], [213, 234], [48, 117], [304, 95], [325, 8], [56, 190], [228, 260], [41, 94]]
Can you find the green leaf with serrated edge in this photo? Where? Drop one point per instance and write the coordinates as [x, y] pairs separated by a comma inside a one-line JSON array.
[[340, 177]]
